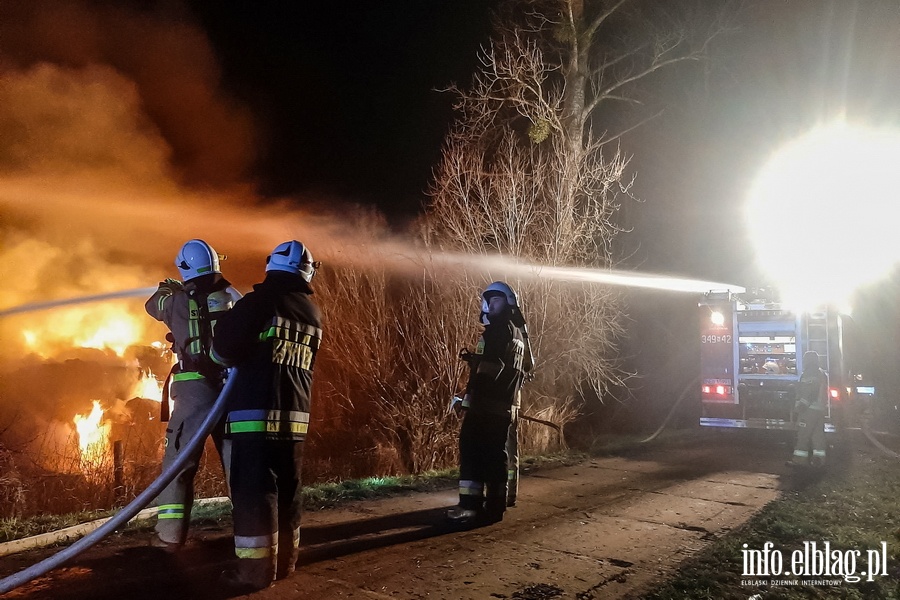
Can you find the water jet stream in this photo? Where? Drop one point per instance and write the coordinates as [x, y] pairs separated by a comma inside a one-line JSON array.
[[37, 306], [495, 264], [511, 267]]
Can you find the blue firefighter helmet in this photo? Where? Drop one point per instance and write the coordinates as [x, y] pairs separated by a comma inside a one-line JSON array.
[[502, 289], [498, 288], [292, 257], [196, 258]]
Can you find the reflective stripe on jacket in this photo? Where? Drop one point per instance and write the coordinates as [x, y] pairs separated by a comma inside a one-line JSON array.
[[272, 336]]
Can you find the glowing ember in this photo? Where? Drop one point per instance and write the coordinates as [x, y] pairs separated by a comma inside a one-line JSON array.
[[93, 436]]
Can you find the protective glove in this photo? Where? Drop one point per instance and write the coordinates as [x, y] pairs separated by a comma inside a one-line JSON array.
[[458, 406], [171, 286], [466, 356], [455, 406]]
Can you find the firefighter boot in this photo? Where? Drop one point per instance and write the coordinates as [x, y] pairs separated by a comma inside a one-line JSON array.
[[458, 514], [250, 575], [160, 544], [287, 563], [471, 502]]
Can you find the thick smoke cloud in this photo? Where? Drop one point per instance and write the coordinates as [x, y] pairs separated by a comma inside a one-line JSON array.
[[166, 58], [117, 144]]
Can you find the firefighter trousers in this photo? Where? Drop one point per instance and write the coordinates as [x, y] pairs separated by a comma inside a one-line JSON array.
[[266, 495], [810, 436], [483, 469], [512, 453], [193, 400]]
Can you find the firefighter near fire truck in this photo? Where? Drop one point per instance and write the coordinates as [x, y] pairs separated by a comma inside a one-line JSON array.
[[497, 370], [272, 336], [812, 401], [190, 310]]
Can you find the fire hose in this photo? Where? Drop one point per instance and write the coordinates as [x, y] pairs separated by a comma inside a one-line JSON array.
[[128, 512], [870, 435], [691, 386], [550, 424]]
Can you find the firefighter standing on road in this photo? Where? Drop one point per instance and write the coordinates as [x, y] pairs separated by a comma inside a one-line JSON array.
[[190, 311], [811, 405], [496, 372], [271, 336]]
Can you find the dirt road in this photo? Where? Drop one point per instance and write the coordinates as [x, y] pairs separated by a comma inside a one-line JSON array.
[[606, 528]]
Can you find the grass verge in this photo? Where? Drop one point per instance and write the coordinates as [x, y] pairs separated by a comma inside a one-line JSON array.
[[853, 505], [315, 497]]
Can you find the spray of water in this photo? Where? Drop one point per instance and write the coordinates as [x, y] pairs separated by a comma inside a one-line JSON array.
[[38, 306], [495, 266], [506, 267]]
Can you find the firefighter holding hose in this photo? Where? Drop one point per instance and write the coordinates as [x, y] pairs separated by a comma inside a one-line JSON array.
[[497, 370], [271, 336], [190, 309]]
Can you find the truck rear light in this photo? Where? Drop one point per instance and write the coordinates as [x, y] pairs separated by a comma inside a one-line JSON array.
[[715, 390]]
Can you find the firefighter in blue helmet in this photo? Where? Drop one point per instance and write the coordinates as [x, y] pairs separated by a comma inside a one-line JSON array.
[[497, 369], [811, 406], [271, 337], [190, 309]]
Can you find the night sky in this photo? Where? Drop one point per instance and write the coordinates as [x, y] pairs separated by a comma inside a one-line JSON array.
[[347, 98]]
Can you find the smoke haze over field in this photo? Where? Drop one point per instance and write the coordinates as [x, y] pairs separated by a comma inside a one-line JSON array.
[[117, 144], [159, 53]]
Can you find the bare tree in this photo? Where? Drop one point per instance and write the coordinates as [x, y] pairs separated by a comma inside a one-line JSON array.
[[391, 359], [532, 170]]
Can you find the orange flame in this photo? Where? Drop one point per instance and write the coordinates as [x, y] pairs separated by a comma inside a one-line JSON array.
[[110, 326], [149, 388], [93, 436]]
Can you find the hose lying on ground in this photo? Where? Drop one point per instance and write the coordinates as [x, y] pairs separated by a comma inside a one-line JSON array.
[[870, 435], [123, 516], [684, 393]]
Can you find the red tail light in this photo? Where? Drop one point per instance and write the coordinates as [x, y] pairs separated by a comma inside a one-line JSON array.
[[715, 390]]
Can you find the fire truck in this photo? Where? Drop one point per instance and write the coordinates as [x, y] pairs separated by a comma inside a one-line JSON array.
[[751, 358]]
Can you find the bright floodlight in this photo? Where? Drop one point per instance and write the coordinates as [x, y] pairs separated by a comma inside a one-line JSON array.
[[822, 213], [717, 318]]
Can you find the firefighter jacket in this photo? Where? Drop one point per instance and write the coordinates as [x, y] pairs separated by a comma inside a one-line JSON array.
[[812, 390], [271, 336], [496, 370], [191, 310]]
